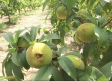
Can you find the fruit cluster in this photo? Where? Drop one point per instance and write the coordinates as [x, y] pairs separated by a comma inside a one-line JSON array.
[[40, 54], [85, 33]]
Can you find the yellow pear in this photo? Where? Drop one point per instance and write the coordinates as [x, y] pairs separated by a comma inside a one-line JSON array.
[[78, 63], [85, 32], [61, 12], [38, 55]]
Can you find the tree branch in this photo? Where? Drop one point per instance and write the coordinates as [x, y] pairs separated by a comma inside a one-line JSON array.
[[107, 22], [63, 4]]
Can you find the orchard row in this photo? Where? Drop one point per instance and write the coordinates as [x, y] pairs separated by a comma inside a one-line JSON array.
[[12, 7]]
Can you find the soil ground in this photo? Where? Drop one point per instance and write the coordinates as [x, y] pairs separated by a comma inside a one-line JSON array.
[[34, 18]]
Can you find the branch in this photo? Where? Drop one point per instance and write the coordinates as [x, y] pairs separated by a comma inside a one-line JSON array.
[[63, 4], [107, 22], [102, 7]]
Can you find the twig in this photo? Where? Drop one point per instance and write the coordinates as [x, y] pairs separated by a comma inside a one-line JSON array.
[[107, 22], [63, 4], [102, 7]]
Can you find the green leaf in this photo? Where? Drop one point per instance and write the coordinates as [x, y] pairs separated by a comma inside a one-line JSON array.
[[101, 20], [23, 60], [17, 71], [85, 77], [27, 37], [92, 3], [49, 37], [92, 74], [106, 57], [42, 74], [107, 70], [52, 46], [17, 34], [102, 37], [62, 49], [70, 4], [8, 37], [66, 76], [15, 58], [33, 32], [67, 65], [56, 74], [99, 7], [110, 36], [87, 50], [95, 61], [8, 68], [44, 4], [90, 18]]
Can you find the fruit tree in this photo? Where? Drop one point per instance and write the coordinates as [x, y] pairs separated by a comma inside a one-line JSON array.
[[90, 22]]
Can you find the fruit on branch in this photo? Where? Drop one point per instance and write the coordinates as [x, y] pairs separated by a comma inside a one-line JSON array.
[[85, 32], [23, 43], [38, 55], [61, 12], [77, 40], [78, 63]]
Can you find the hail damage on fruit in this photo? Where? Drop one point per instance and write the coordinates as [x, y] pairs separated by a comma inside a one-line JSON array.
[[39, 57]]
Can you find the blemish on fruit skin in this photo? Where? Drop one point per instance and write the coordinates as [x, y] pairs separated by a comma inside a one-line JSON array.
[[39, 57]]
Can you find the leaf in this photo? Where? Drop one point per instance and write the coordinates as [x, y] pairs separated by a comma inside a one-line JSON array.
[[102, 37], [87, 50], [17, 34], [49, 37], [17, 71], [73, 53], [44, 4], [23, 60], [92, 74], [92, 3], [62, 49], [44, 73], [33, 32], [110, 36], [95, 61], [70, 4], [107, 70], [67, 65], [15, 58], [52, 46], [85, 77], [27, 37], [89, 17], [101, 20], [56, 74], [106, 57], [8, 37], [66, 76], [99, 7], [8, 68]]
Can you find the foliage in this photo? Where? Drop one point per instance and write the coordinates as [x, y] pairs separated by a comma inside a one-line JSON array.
[[96, 55]]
